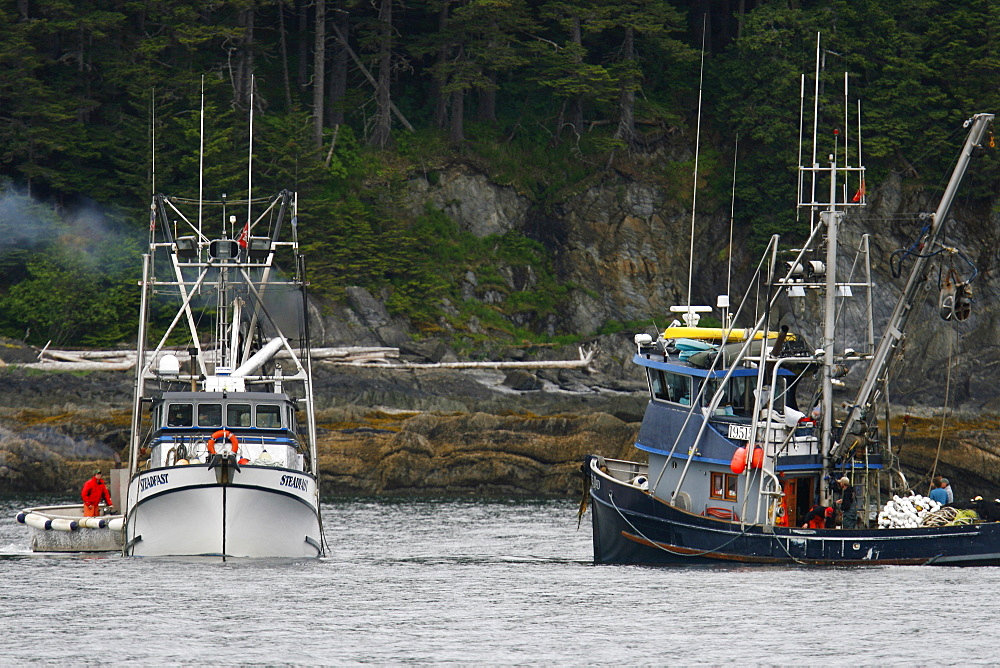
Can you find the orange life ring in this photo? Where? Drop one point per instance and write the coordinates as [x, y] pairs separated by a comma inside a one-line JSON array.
[[222, 434]]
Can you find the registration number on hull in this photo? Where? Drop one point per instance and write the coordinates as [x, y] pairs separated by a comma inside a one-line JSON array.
[[740, 432]]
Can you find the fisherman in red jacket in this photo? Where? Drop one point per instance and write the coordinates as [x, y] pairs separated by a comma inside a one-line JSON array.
[[93, 491]]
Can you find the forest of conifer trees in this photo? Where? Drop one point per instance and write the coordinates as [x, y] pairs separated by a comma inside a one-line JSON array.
[[351, 97]]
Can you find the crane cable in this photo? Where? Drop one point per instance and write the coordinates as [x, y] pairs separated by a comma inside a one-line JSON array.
[[944, 416]]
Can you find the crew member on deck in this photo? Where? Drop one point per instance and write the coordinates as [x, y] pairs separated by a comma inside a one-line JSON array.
[[848, 505], [939, 494], [947, 488], [820, 517], [94, 490]]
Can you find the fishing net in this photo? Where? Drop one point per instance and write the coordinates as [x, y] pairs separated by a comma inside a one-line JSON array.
[[950, 517]]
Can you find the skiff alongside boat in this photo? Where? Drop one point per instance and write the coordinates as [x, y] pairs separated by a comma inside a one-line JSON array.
[[65, 529]]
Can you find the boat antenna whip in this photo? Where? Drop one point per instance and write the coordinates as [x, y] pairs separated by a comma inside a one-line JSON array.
[[201, 158], [723, 300], [152, 135], [690, 314], [245, 235]]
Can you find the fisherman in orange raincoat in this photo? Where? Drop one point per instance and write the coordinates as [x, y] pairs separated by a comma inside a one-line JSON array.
[[94, 490]]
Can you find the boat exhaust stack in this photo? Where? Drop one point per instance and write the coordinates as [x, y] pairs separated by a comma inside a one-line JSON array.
[[259, 358]]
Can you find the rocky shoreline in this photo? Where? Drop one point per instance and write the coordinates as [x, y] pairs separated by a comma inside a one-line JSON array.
[[380, 431], [431, 432]]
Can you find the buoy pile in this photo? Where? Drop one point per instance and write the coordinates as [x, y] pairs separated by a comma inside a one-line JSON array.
[[906, 512]]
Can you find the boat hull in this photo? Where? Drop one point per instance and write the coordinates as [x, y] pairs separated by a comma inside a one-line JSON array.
[[64, 529], [261, 512], [632, 527]]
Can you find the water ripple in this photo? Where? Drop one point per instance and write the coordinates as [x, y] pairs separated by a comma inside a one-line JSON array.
[[474, 582]]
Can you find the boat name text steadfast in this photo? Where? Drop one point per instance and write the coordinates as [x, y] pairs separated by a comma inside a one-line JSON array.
[[152, 481], [294, 482]]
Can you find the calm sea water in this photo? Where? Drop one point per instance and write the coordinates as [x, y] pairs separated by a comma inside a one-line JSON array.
[[478, 582]]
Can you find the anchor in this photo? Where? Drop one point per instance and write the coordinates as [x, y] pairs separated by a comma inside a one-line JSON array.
[[224, 463]]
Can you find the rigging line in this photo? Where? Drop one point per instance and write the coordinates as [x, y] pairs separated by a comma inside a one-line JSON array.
[[944, 415], [944, 140], [694, 185], [611, 498]]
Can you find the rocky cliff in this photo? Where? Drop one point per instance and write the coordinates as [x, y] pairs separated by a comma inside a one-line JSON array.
[[623, 246]]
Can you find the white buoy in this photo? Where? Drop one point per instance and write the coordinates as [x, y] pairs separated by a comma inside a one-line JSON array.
[[38, 521], [93, 522], [61, 524]]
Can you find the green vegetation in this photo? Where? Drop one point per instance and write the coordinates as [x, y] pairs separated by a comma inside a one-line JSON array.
[[548, 96]]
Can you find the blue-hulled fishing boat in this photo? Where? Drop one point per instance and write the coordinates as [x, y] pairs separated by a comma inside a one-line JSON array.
[[749, 460]]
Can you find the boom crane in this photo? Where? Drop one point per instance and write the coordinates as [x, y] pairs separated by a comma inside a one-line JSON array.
[[868, 394]]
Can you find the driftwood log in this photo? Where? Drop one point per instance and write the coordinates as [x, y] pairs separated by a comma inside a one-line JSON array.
[[384, 357]]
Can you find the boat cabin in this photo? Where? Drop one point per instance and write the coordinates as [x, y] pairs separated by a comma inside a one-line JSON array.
[[710, 483], [263, 424]]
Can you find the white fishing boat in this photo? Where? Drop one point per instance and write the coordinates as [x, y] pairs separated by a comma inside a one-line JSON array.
[[223, 457], [223, 447]]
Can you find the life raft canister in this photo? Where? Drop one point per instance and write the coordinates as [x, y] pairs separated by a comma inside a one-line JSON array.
[[223, 434], [739, 463]]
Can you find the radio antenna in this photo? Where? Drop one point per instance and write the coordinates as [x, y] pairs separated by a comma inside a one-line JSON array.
[[201, 158], [250, 166], [694, 186], [152, 132]]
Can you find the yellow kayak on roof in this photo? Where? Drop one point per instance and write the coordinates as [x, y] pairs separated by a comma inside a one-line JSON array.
[[715, 334]]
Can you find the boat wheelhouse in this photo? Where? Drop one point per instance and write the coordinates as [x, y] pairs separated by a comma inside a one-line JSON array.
[[728, 425], [263, 423]]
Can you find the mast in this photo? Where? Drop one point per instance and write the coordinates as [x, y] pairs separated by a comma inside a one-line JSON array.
[[140, 366], [832, 219], [831, 211], [897, 321]]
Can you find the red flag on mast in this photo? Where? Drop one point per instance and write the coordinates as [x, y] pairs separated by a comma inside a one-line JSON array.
[[243, 239], [861, 192]]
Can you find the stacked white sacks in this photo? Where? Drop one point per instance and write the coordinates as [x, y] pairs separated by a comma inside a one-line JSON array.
[[906, 512]]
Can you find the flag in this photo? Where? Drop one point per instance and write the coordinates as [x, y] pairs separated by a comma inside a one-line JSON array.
[[243, 239], [858, 196]]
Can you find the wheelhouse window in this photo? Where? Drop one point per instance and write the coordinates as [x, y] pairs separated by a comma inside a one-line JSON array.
[[238, 415], [179, 415], [656, 385], [734, 394], [724, 486], [678, 387], [269, 416], [209, 415], [668, 386]]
